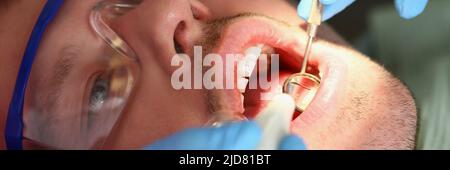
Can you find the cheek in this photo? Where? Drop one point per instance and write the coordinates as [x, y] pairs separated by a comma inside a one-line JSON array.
[[364, 102], [155, 110], [354, 114]]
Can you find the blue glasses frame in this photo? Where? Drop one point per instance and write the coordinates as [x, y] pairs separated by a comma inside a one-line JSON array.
[[14, 121]]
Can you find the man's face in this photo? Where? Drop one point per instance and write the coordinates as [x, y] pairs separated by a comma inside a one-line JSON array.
[[359, 104]]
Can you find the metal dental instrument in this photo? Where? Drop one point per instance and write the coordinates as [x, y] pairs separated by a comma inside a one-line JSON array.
[[303, 86]]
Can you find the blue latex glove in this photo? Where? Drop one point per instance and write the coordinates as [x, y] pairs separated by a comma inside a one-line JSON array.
[[407, 9], [233, 136]]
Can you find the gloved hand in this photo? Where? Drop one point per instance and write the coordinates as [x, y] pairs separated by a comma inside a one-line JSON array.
[[240, 135], [407, 9], [232, 136]]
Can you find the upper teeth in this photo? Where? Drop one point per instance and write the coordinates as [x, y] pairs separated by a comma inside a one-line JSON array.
[[251, 57], [247, 65]]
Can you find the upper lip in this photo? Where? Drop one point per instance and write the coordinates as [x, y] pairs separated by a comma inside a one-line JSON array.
[[246, 32]]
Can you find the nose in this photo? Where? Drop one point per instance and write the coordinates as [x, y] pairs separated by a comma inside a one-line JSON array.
[[161, 28], [152, 29], [173, 20]]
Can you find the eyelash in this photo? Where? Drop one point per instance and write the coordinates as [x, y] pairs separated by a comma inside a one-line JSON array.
[[97, 96]]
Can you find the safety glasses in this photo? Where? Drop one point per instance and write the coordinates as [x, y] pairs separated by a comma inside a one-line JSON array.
[[71, 97]]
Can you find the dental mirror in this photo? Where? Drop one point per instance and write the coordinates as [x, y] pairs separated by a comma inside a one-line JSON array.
[[302, 87]]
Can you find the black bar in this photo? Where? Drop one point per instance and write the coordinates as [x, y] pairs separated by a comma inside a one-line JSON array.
[[231, 159]]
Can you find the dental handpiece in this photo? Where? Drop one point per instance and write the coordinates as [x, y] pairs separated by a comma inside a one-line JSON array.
[[303, 86]]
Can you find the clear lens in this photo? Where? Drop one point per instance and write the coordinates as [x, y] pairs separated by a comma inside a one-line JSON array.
[[76, 94]]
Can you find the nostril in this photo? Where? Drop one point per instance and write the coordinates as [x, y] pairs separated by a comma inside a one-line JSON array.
[[188, 29], [199, 10], [196, 14], [177, 38], [178, 47]]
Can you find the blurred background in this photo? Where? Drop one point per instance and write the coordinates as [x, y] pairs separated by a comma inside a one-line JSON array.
[[417, 51]]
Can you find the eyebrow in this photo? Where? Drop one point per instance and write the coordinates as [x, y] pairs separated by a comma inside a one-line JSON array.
[[59, 74]]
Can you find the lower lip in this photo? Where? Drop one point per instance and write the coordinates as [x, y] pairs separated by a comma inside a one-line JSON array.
[[328, 97]]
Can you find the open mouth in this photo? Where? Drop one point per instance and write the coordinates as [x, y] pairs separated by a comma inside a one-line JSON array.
[[255, 99], [260, 35]]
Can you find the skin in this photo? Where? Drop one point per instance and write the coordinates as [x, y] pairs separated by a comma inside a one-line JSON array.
[[376, 111]]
